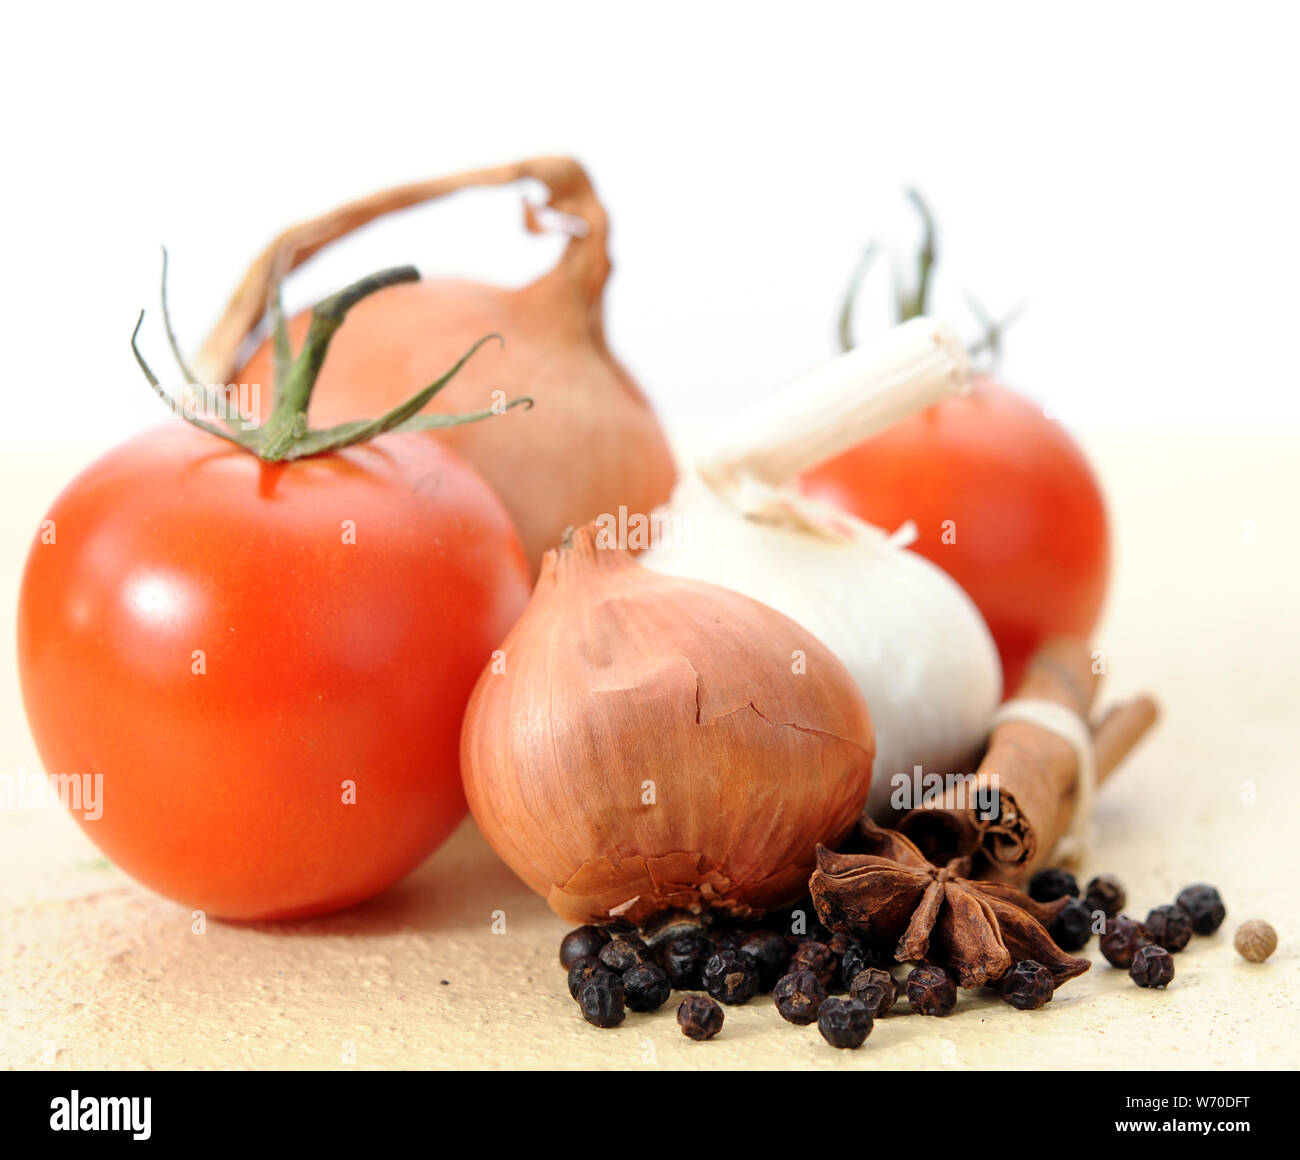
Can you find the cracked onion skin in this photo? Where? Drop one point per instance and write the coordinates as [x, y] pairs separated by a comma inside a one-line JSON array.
[[645, 746]]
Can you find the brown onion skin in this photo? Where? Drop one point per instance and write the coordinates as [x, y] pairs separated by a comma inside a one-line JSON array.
[[590, 443], [615, 676]]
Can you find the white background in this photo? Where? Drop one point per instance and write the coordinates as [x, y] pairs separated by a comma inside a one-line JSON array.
[[1129, 170]]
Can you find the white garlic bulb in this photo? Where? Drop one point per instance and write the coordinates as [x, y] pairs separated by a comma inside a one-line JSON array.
[[914, 642]]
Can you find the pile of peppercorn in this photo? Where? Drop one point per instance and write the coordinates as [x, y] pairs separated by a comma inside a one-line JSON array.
[[1145, 949], [815, 976], [844, 984]]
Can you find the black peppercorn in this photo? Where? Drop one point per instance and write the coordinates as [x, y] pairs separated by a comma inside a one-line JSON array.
[[601, 999], [876, 988], [816, 957], [1153, 966], [647, 987], [1205, 906], [1072, 927], [699, 1017], [852, 963], [931, 991], [840, 943], [1122, 939], [731, 977], [858, 958], [728, 940], [1105, 893], [871, 995], [769, 950], [1049, 885], [799, 996], [582, 970], [844, 1022], [1028, 985], [1170, 927], [624, 953], [583, 942], [684, 959]]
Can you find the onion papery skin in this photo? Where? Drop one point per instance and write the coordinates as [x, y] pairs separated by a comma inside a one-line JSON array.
[[617, 683]]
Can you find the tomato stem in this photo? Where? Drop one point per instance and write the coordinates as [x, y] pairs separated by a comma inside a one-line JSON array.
[[286, 433], [914, 303], [167, 325], [908, 305], [288, 419], [847, 342], [990, 342], [229, 436]]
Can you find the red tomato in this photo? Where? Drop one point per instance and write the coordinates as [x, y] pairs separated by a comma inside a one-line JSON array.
[[1031, 540], [242, 649]]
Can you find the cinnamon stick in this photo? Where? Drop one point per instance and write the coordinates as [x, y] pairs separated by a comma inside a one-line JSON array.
[[1030, 772]]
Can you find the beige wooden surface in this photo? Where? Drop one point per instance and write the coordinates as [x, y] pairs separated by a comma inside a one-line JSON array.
[[95, 971]]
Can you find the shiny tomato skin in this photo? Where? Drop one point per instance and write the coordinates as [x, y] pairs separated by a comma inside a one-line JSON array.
[[1032, 543], [202, 635]]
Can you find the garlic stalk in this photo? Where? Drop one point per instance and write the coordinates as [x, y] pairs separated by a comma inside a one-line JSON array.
[[840, 403], [914, 642]]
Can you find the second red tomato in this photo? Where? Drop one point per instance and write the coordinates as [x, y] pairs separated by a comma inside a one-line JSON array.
[[1004, 502]]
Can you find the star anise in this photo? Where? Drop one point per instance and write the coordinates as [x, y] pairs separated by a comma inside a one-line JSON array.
[[892, 895]]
